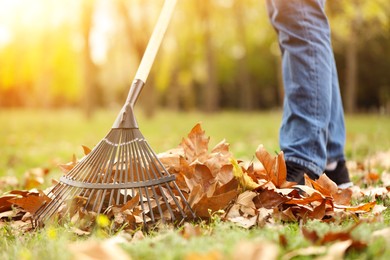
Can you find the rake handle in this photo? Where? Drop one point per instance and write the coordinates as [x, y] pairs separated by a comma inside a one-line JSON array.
[[155, 40], [126, 117]]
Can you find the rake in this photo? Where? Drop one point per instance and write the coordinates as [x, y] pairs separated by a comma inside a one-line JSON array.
[[123, 167]]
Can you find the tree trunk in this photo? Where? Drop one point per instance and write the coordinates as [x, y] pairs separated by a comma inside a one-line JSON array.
[[89, 66], [351, 56], [210, 93], [244, 84]]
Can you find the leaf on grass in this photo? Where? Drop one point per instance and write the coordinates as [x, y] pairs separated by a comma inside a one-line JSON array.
[[213, 203], [131, 204], [98, 250], [31, 203], [280, 173], [211, 255], [310, 235], [362, 208], [34, 177], [325, 185], [269, 199], [319, 211], [5, 203], [337, 250], [308, 251], [256, 250], [190, 231], [343, 197]]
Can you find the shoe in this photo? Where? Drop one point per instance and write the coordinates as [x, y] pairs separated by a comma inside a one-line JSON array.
[[340, 175], [296, 172]]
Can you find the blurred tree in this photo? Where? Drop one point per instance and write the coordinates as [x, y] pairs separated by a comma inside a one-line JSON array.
[[357, 21], [89, 100], [243, 80], [210, 90]]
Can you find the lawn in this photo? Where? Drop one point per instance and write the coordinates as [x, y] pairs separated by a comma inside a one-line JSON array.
[[45, 138], [31, 139]]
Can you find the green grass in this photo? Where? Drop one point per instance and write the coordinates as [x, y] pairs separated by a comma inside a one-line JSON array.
[[41, 138], [38, 138]]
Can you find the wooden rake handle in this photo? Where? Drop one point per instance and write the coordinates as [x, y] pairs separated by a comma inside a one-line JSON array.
[[155, 40], [126, 117]]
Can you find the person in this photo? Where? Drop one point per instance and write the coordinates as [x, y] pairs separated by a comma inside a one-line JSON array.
[[312, 132]]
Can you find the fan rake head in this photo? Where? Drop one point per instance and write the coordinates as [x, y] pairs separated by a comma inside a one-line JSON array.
[[120, 168]]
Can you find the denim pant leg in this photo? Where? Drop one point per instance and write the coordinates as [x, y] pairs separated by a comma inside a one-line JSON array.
[[309, 81], [336, 128]]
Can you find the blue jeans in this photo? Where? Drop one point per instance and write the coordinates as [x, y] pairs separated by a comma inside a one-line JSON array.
[[312, 133]]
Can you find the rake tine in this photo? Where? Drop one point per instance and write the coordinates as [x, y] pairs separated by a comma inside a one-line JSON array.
[[155, 171], [148, 166], [141, 174], [174, 183]]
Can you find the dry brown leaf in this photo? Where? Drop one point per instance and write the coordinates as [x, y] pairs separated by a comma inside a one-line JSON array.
[[86, 150], [213, 203], [195, 146], [138, 236], [212, 255], [266, 159], [253, 250], [98, 250], [195, 195], [362, 208], [325, 185], [269, 199], [308, 251], [131, 204], [280, 174], [190, 231], [319, 211], [337, 250], [34, 178], [31, 203], [343, 197], [5, 203]]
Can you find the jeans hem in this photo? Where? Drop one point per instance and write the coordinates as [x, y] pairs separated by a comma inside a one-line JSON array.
[[336, 159], [309, 165]]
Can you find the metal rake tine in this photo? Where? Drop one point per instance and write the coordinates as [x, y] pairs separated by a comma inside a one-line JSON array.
[[94, 174], [142, 167], [154, 169], [174, 183], [109, 170], [167, 185], [138, 178], [148, 165]]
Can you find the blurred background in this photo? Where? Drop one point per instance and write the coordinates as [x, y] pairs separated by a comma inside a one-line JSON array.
[[217, 54]]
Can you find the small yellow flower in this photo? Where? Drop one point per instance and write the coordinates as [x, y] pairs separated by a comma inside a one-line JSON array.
[[102, 221], [51, 233]]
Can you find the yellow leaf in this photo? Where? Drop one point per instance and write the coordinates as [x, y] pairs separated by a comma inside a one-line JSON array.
[[244, 180]]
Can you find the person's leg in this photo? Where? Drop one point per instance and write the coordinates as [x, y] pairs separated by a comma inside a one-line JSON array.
[[307, 60], [336, 168]]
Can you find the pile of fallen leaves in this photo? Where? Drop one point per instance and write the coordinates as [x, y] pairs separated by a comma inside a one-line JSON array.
[[247, 193]]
